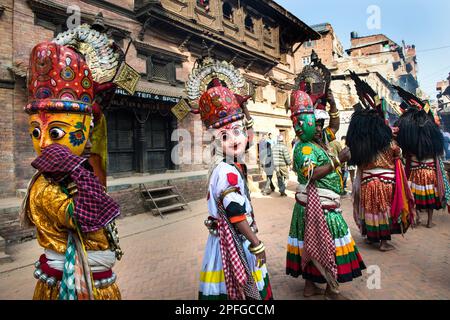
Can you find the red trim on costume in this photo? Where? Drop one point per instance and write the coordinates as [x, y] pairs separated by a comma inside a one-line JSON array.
[[237, 219], [58, 274]]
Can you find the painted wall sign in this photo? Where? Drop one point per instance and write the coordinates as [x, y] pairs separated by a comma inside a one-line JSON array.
[[149, 96]]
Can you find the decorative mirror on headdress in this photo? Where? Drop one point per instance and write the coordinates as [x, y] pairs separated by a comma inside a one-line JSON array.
[[315, 80]]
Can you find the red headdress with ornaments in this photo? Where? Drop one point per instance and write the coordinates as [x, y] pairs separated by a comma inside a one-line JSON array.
[[76, 72], [213, 90], [59, 80], [300, 103]]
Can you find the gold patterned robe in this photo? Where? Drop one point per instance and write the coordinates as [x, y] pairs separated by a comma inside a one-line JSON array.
[[46, 208]]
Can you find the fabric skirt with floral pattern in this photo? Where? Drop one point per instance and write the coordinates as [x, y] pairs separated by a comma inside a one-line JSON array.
[[376, 200]]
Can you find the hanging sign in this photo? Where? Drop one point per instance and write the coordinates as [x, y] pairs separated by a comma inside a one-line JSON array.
[[181, 109]]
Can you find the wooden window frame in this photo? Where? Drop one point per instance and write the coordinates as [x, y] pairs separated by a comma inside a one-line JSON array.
[[169, 66]]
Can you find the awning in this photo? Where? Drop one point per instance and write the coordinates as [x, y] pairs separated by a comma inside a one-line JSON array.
[[161, 89], [156, 91]]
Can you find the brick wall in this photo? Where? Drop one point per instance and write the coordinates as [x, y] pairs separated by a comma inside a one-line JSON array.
[[371, 49], [323, 47], [7, 143], [131, 203], [6, 103]]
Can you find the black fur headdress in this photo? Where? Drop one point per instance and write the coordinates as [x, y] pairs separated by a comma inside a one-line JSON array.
[[367, 135], [419, 134]]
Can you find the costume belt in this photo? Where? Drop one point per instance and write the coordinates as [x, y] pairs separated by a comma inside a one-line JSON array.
[[424, 164], [211, 224], [50, 271], [329, 200], [384, 175]]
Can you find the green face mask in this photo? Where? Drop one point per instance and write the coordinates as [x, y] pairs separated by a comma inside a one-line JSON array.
[[305, 126]]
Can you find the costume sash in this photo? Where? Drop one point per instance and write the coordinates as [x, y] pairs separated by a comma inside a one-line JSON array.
[[238, 278], [318, 243], [403, 205]]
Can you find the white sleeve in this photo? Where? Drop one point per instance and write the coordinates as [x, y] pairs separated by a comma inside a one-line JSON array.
[[223, 183]]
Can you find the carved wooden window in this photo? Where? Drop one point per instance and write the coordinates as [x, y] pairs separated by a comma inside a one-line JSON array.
[[259, 94], [227, 11], [162, 70], [267, 33], [249, 25], [50, 24], [121, 149], [281, 98], [157, 135]]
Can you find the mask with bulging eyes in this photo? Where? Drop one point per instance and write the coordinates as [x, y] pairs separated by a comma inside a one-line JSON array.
[[68, 129], [305, 126], [233, 139]]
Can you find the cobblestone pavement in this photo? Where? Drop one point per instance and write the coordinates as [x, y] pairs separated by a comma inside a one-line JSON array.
[[163, 257]]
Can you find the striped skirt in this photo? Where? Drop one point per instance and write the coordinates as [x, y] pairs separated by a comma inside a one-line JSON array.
[[212, 277], [348, 258], [424, 188], [376, 200]]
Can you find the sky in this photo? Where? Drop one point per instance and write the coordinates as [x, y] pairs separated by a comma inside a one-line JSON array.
[[426, 24]]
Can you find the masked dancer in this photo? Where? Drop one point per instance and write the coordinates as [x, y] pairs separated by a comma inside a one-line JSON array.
[[234, 263], [423, 145], [320, 246], [66, 201], [383, 202]]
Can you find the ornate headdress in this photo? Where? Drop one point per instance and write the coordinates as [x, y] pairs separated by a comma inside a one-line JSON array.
[[411, 101], [300, 103], [212, 89], [368, 132], [70, 74], [315, 79], [64, 73], [418, 133], [59, 80]]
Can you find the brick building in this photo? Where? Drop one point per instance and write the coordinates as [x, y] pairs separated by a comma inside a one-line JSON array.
[[165, 38], [328, 47], [397, 63], [379, 61]]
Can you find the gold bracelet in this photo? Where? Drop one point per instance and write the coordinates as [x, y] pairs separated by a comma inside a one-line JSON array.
[[258, 247], [334, 115], [259, 251]]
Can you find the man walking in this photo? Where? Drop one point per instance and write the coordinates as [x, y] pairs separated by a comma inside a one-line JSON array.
[[282, 161], [266, 161]]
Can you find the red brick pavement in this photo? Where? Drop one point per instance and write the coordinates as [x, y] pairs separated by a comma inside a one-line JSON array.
[[162, 261]]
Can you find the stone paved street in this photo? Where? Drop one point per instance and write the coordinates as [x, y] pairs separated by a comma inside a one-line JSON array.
[[163, 257]]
